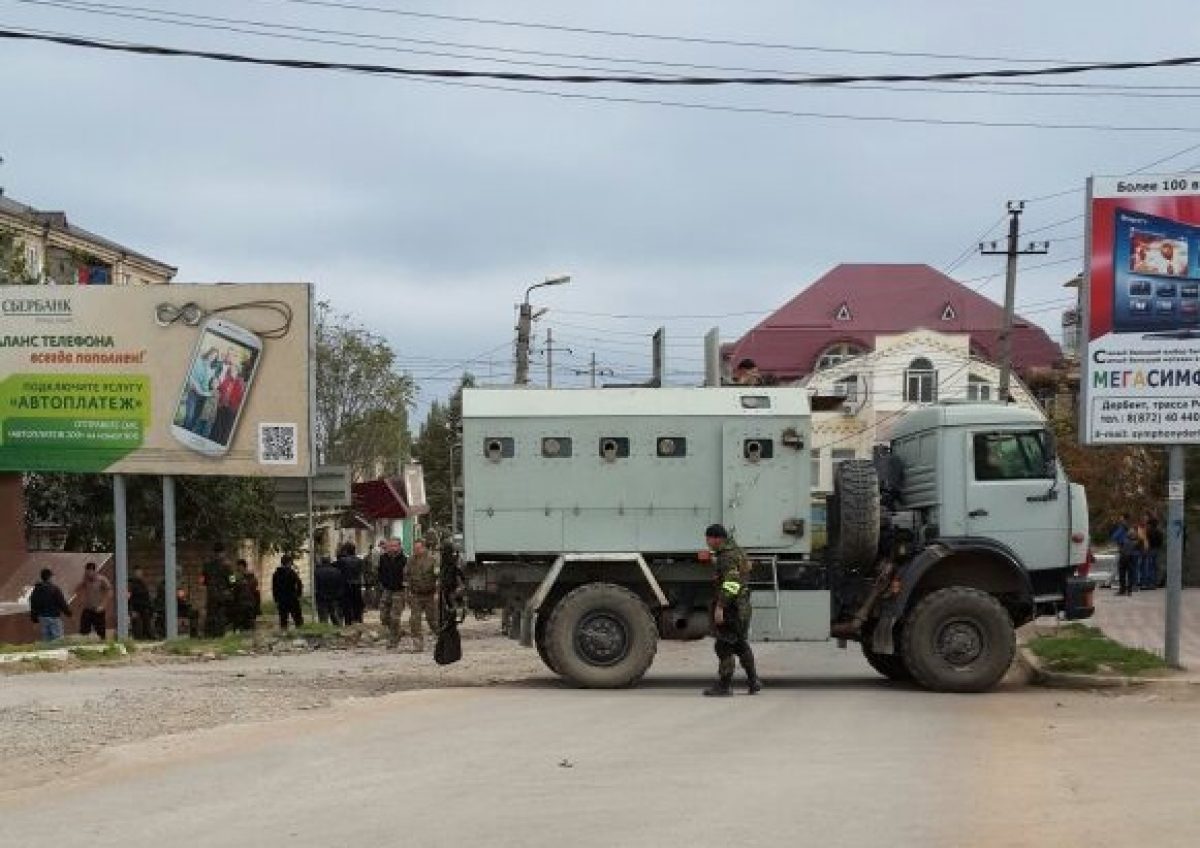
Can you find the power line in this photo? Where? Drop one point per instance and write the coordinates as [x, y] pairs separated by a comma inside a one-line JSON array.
[[724, 42], [588, 79]]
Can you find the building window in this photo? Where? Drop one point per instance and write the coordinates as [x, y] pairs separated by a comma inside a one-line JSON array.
[[837, 354], [978, 388], [815, 468], [1012, 456], [920, 381], [843, 313], [839, 455], [556, 447], [847, 388], [671, 446]]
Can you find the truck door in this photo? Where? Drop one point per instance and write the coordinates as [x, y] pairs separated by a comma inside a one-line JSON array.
[[762, 482], [1015, 495]]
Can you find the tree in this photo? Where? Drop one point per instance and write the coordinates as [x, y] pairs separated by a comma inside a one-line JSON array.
[[442, 431], [13, 269], [1118, 478], [362, 399]]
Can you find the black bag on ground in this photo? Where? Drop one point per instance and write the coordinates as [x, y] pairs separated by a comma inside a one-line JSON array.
[[449, 646]]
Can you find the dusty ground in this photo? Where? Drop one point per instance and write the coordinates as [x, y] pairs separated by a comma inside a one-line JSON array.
[[51, 722]]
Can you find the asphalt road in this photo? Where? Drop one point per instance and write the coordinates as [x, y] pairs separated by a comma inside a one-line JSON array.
[[828, 755]]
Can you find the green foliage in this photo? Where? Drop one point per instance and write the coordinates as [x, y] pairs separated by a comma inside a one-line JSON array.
[[442, 430], [1078, 648], [208, 509], [227, 646], [362, 399], [13, 270]]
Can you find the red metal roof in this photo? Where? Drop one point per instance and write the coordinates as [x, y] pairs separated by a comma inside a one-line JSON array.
[[883, 299]]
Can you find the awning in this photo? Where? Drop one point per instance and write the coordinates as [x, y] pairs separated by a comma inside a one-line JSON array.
[[383, 499]]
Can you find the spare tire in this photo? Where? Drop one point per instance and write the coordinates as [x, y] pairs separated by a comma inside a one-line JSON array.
[[853, 518], [601, 636]]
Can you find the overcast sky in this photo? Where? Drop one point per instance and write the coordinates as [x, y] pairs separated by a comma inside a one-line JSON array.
[[426, 209]]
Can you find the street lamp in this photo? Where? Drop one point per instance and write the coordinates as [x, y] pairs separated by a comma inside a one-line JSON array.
[[525, 326]]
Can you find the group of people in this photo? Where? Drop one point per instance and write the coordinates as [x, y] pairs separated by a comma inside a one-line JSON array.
[[216, 389], [232, 600], [1138, 547], [49, 607], [402, 582]]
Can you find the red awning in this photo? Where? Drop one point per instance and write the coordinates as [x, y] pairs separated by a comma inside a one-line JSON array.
[[383, 499]]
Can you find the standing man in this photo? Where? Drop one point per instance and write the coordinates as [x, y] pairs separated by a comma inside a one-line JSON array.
[[392, 563], [48, 607], [141, 606], [218, 585], [352, 574], [94, 593], [421, 578], [247, 600], [286, 589], [329, 589], [731, 612]]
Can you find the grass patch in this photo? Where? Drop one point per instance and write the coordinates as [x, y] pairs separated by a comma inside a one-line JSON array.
[[316, 628], [226, 646], [106, 653], [6, 648], [1082, 649]]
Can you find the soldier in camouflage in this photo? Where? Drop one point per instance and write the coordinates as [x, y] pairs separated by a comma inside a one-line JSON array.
[[421, 581], [731, 612]]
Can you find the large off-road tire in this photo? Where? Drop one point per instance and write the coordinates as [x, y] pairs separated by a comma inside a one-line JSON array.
[[891, 666], [601, 636], [539, 641], [958, 640], [853, 516]]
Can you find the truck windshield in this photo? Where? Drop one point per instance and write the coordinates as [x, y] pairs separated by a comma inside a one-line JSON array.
[[1012, 456]]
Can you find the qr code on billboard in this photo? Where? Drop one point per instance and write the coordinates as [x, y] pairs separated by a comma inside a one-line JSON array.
[[277, 444]]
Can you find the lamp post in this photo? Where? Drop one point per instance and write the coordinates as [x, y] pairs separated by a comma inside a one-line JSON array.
[[525, 326], [454, 486]]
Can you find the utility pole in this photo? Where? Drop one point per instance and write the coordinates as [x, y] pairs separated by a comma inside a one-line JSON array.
[[549, 358], [524, 327], [594, 371], [1012, 251]]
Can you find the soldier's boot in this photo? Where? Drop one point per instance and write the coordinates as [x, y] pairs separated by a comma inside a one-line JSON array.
[[721, 689], [753, 681]]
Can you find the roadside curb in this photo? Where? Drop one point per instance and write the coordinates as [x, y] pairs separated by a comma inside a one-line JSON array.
[[1041, 676]]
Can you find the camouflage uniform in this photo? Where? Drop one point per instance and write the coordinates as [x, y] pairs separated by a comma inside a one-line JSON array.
[[731, 575], [218, 591], [421, 580]]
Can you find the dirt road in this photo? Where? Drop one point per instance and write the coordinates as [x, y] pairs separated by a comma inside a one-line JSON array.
[[828, 755]]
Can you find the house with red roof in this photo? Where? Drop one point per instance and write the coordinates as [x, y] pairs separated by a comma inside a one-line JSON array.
[[841, 314]]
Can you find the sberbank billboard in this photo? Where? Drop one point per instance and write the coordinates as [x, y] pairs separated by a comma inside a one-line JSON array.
[[176, 379]]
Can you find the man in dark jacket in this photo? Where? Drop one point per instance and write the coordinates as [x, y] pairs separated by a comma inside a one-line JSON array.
[[391, 589], [48, 607], [218, 593], [351, 568], [330, 588], [141, 606], [286, 589]]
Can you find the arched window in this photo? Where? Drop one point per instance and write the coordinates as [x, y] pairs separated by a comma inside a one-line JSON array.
[[978, 388], [920, 381], [838, 353]]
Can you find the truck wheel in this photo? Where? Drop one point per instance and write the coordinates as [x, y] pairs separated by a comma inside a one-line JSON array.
[[959, 640], [854, 520], [891, 666], [539, 641], [601, 636]]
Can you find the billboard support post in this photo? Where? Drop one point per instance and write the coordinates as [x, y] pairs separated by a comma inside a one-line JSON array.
[[312, 543], [1175, 493], [170, 589], [121, 552]]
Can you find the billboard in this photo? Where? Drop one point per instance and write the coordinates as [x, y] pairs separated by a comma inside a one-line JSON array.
[[176, 379], [1141, 298]]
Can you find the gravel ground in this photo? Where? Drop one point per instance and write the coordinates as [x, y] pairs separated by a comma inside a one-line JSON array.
[[53, 722]]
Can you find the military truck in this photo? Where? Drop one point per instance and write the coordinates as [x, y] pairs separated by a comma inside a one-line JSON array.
[[584, 512]]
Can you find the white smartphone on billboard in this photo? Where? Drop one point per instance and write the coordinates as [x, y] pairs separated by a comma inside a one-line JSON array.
[[216, 387]]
